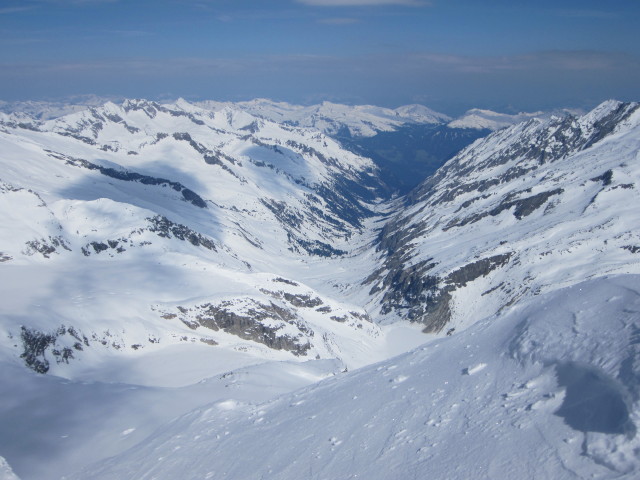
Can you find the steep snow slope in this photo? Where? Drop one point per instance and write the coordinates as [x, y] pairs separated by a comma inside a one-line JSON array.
[[548, 389], [531, 208]]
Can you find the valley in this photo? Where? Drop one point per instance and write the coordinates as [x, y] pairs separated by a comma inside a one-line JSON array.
[[182, 278]]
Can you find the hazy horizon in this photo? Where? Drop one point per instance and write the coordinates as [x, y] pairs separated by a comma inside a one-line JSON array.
[[450, 56]]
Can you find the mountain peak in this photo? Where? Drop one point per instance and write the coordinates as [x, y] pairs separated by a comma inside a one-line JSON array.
[[422, 114], [480, 119]]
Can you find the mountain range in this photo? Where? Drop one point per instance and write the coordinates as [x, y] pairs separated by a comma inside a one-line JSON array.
[[212, 259], [331, 118]]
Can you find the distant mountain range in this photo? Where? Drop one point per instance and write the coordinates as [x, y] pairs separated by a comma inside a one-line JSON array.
[[333, 119], [408, 143]]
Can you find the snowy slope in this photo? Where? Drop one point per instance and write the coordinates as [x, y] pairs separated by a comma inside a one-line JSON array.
[[6, 473], [531, 208], [481, 119], [154, 257], [52, 427], [130, 228], [163, 261], [547, 390]]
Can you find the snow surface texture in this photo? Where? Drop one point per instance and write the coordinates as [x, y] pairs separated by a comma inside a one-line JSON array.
[[549, 390], [163, 261]]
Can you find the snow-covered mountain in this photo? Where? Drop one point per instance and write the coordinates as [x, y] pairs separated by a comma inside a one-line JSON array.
[[481, 119], [341, 120], [336, 119], [529, 209], [196, 222], [235, 258], [47, 110], [333, 119]]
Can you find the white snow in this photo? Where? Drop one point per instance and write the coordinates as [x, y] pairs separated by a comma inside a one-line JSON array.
[[151, 393], [6, 473], [486, 119], [331, 118], [420, 416]]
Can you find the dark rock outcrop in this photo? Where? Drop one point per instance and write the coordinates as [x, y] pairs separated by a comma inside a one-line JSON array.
[[254, 321]]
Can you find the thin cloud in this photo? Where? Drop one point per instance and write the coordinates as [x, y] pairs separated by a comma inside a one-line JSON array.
[[547, 61], [582, 60], [129, 33], [533, 81], [338, 21], [10, 10], [75, 2], [21, 41], [596, 14], [362, 3]]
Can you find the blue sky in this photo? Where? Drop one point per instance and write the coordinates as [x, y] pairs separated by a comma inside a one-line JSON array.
[[449, 55]]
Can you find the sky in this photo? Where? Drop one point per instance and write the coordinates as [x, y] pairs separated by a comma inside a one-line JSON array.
[[507, 55]]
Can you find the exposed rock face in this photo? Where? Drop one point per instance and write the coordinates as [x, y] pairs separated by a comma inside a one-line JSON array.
[[424, 298], [36, 345], [165, 228], [127, 176], [250, 319], [523, 207], [46, 246]]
